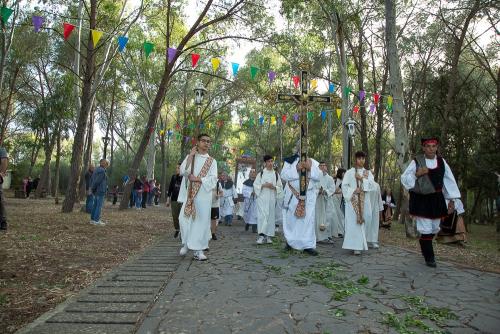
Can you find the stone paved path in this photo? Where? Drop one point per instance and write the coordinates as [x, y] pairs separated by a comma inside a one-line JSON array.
[[245, 288]]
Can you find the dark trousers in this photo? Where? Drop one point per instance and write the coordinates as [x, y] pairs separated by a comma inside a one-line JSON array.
[[144, 199], [115, 198], [426, 247], [3, 213], [156, 199], [176, 210]]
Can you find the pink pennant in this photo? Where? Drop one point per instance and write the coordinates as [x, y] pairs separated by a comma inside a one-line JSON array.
[[296, 81]]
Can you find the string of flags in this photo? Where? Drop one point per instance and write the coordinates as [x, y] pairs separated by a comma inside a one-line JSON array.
[[149, 47]]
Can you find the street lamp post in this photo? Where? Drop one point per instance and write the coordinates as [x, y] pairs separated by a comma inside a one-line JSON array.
[[105, 139], [199, 94], [350, 125]]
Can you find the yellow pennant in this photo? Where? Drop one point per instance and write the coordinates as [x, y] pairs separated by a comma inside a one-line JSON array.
[[209, 125], [215, 63], [314, 83], [339, 111], [389, 100], [273, 119], [242, 151], [96, 36], [162, 132]]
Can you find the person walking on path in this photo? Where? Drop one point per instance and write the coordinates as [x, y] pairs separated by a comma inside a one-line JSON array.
[[227, 199], [90, 198], [99, 187], [430, 182], [172, 198], [4, 163], [250, 209], [145, 191], [200, 171]]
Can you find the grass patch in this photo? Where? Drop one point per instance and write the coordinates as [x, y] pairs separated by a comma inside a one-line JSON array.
[[3, 299], [338, 312], [277, 269]]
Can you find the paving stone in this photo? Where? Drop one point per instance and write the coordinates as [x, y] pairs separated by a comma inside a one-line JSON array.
[[57, 328], [123, 290], [116, 298], [139, 278], [95, 318], [130, 284], [106, 307]]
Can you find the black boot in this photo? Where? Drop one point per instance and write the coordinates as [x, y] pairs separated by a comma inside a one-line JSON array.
[[247, 226], [254, 228], [427, 249], [214, 237], [3, 225], [311, 251]]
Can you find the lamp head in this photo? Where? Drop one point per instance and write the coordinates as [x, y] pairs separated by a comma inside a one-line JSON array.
[[199, 93]]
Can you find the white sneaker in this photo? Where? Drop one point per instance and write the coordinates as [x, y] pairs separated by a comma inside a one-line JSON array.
[[375, 245], [198, 255], [260, 240], [93, 222], [100, 223], [357, 252], [277, 229], [183, 250], [269, 240]]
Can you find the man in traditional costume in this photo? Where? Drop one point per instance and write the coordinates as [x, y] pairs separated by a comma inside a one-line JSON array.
[[389, 205], [299, 213], [453, 227], [267, 188], [338, 206], [324, 205], [227, 199], [200, 171], [372, 225], [249, 204], [430, 182], [356, 183]]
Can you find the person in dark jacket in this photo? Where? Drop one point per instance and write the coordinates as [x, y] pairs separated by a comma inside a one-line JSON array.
[[172, 195], [138, 192], [90, 197], [4, 163], [98, 187], [145, 191]]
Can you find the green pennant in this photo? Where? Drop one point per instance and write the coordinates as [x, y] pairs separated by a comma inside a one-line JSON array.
[[309, 116], [253, 71], [347, 91], [5, 13], [148, 48], [250, 122]]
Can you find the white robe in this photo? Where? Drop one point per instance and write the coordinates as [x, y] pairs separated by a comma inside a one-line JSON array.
[[450, 191], [355, 237], [372, 226], [195, 233], [227, 201], [250, 209], [266, 201], [300, 233], [324, 208], [338, 214]]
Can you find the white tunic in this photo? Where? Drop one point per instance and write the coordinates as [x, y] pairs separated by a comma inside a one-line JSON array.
[[227, 202], [372, 226], [338, 214], [195, 233], [266, 200], [250, 209], [450, 191], [300, 233], [324, 208], [355, 237]]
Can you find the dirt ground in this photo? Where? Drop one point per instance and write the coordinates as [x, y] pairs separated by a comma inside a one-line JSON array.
[[47, 256]]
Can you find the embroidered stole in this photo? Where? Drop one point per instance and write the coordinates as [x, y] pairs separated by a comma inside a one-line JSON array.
[[189, 209]]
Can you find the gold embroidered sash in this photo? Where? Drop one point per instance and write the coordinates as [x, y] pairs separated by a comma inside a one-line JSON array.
[[190, 209], [300, 210], [358, 203]]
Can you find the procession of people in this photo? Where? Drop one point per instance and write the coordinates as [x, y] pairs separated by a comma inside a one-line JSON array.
[[313, 206]]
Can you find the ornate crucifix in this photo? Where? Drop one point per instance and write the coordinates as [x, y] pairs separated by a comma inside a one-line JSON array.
[[303, 100]]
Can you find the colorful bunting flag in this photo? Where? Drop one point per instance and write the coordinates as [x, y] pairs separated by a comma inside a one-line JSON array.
[[202, 125], [5, 13], [253, 71], [236, 67], [194, 59], [331, 88], [171, 52], [283, 119], [271, 75], [96, 36], [273, 120], [376, 97], [372, 107], [361, 95], [261, 120], [323, 114], [347, 91], [295, 117], [296, 81], [389, 101], [356, 109], [309, 116], [37, 22], [162, 132], [122, 42], [242, 151], [314, 84], [68, 28], [215, 63], [339, 112], [148, 48]]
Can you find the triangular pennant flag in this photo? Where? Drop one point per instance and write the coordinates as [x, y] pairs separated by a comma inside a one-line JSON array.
[[331, 88], [215, 63], [309, 116], [194, 59], [347, 91], [6, 13], [361, 95], [253, 71], [296, 80], [171, 52], [236, 67], [376, 97], [295, 117], [96, 36], [389, 101], [323, 114], [202, 125], [261, 120], [148, 48], [339, 112], [271, 75], [209, 126], [122, 41], [355, 109], [162, 132], [178, 136], [37, 22], [68, 28], [273, 120], [372, 108], [314, 83], [283, 119]]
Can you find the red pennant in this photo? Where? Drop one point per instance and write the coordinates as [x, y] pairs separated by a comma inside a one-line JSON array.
[[355, 109], [68, 28], [151, 129], [283, 119], [296, 80], [194, 59], [376, 97], [177, 126]]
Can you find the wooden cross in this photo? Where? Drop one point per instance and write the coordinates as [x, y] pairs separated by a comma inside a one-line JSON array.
[[303, 100]]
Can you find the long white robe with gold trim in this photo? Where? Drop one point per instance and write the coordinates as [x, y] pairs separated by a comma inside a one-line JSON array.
[[266, 201]]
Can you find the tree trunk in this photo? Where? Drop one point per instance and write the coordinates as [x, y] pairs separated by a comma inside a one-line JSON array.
[[150, 160], [87, 159], [362, 106], [57, 168], [78, 144], [398, 112], [163, 177]]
